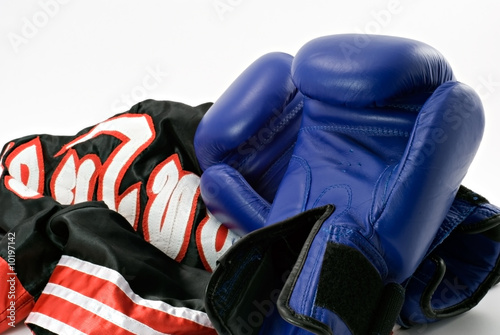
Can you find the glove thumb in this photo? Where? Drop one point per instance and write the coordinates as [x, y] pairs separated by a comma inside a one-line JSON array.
[[231, 199]]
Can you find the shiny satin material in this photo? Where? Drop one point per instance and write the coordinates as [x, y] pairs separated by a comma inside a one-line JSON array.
[[64, 196]]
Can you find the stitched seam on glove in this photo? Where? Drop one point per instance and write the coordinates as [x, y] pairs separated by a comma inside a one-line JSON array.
[[277, 162], [367, 130], [303, 164], [273, 133]]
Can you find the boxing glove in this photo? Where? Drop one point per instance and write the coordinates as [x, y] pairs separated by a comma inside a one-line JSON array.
[[386, 136], [241, 145], [224, 176]]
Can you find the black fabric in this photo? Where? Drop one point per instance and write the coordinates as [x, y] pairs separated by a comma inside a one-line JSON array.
[[92, 232], [36, 255], [175, 124], [44, 229], [245, 286]]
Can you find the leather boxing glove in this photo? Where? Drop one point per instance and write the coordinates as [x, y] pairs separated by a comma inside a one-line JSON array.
[[376, 111], [386, 136], [241, 145], [474, 281]]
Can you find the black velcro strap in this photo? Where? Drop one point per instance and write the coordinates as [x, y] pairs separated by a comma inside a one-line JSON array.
[[388, 310], [351, 287]]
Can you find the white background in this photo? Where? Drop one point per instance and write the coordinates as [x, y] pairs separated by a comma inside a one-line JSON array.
[[66, 65]]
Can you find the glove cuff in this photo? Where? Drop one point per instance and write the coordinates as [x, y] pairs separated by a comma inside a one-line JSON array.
[[353, 300], [243, 289]]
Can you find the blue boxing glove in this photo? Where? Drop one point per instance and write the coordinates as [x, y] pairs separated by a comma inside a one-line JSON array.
[[245, 140], [433, 292], [369, 123], [387, 136]]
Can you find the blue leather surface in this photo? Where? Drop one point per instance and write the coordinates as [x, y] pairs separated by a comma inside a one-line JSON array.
[[373, 143], [386, 135], [243, 134], [248, 118], [335, 70], [461, 267]]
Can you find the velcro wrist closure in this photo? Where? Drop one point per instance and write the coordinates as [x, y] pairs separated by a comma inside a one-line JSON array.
[[352, 289]]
